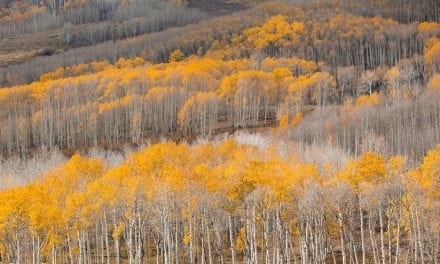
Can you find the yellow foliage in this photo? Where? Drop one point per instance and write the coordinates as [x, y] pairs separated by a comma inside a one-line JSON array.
[[275, 33], [432, 56], [98, 66], [396, 165], [240, 241], [284, 121], [368, 100], [369, 169], [176, 56], [296, 119], [118, 231], [429, 27], [71, 197], [434, 83], [186, 237], [430, 172]]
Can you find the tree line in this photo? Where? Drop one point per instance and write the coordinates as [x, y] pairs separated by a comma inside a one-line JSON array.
[[123, 103], [21, 17], [362, 42], [226, 203], [132, 100]]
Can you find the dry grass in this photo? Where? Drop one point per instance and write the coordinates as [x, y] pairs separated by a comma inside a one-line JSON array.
[[17, 49], [219, 7]]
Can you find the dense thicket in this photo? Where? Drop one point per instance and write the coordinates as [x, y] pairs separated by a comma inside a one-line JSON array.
[[148, 17], [126, 104], [226, 203], [330, 34], [154, 47], [101, 16], [407, 127], [99, 103], [404, 11], [350, 174]]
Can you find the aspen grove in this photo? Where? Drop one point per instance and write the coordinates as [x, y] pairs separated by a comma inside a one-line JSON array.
[[226, 202], [202, 132]]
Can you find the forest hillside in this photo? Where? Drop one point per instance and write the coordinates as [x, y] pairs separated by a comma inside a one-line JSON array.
[[224, 131]]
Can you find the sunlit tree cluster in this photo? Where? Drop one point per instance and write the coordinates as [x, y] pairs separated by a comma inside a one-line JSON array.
[[225, 203], [128, 101], [99, 103]]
